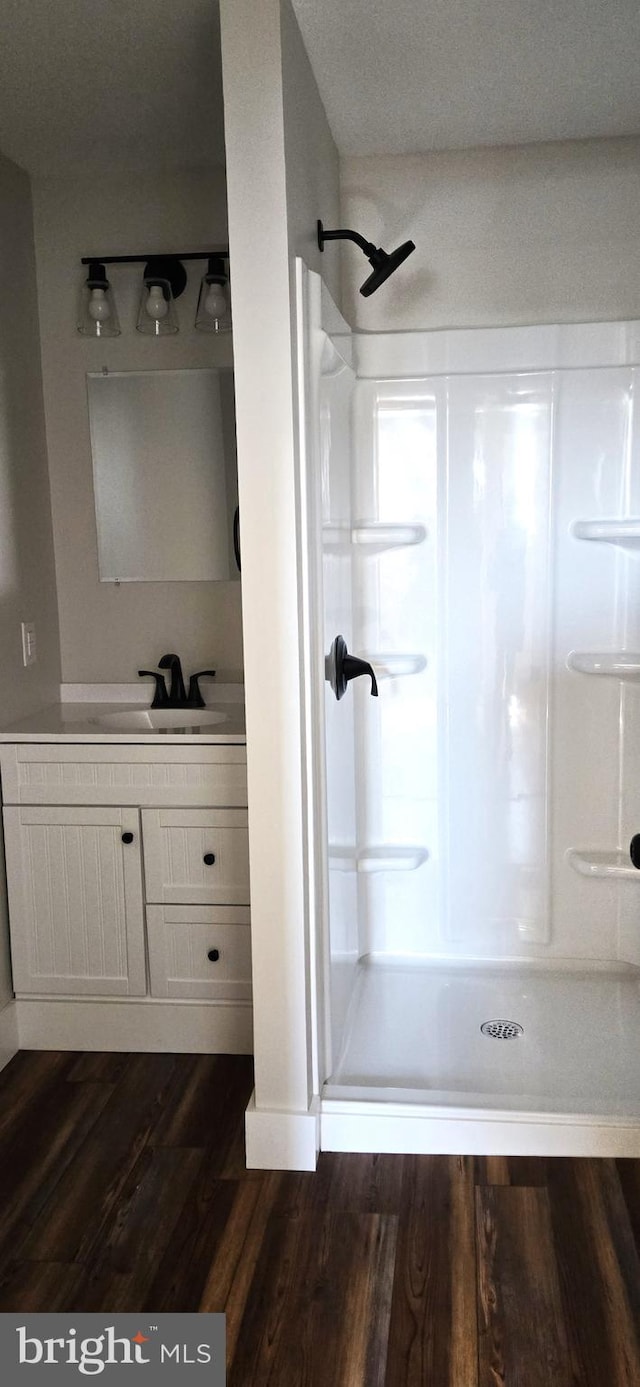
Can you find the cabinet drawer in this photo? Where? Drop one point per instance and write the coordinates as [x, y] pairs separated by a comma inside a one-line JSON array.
[[181, 940], [196, 856]]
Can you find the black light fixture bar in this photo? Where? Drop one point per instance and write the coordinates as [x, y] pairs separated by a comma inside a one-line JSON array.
[[222, 251]]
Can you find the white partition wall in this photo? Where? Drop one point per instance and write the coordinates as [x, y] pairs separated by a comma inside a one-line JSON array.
[[281, 164]]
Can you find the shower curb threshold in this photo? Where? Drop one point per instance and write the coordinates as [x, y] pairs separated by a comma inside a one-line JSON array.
[[402, 1129]]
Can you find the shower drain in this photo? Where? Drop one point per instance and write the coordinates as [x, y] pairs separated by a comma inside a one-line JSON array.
[[502, 1030]]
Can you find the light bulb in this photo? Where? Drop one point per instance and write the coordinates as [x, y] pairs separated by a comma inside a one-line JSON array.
[[99, 308], [215, 303], [156, 305]]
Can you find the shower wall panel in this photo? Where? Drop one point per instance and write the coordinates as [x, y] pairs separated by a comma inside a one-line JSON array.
[[596, 717], [399, 451], [336, 386], [492, 774], [495, 652]]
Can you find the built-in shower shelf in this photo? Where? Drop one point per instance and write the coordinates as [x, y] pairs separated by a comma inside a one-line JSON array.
[[623, 532], [372, 538], [393, 666], [377, 858], [594, 863], [617, 664]]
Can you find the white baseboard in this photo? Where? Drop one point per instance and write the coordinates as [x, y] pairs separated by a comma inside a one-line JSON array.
[[202, 1028], [8, 1033], [281, 1140], [344, 1128]]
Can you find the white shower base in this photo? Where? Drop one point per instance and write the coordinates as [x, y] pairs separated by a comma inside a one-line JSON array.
[[416, 1072]]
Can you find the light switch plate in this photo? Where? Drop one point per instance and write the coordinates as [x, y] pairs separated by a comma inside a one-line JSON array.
[[29, 652]]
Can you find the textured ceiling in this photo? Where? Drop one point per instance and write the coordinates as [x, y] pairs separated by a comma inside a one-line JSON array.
[[406, 76], [133, 83], [127, 83]]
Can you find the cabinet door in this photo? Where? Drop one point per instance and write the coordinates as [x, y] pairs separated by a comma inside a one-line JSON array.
[[196, 856], [75, 901]]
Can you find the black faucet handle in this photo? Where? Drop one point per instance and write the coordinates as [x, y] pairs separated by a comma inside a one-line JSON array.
[[353, 668], [341, 667], [160, 697], [195, 699]]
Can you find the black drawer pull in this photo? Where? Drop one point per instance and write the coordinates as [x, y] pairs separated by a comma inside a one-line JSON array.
[[634, 850], [209, 859], [213, 955], [127, 837]]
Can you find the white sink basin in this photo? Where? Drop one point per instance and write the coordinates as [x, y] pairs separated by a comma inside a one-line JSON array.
[[159, 719]]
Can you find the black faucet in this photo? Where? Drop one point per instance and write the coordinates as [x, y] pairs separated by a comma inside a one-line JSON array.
[[177, 697], [177, 691]]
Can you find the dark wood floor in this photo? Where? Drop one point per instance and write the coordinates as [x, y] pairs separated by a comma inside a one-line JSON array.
[[124, 1188]]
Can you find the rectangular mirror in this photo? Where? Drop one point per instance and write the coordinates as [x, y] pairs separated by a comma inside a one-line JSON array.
[[165, 475]]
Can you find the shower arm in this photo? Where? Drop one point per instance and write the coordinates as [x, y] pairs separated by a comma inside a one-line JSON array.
[[344, 234]]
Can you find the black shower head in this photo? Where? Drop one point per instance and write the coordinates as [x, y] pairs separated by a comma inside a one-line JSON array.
[[383, 263]]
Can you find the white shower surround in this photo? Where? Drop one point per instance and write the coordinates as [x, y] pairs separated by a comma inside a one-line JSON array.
[[499, 769]]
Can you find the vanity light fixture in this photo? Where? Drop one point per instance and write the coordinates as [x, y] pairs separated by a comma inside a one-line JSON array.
[[98, 316], [214, 313], [164, 280]]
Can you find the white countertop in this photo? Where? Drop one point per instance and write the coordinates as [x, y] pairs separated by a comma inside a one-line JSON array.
[[83, 722]]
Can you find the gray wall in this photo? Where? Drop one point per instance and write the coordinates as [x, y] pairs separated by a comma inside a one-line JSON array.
[[528, 234], [107, 633], [27, 575]]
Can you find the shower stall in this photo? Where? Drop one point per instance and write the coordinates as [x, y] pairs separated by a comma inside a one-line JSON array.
[[470, 516]]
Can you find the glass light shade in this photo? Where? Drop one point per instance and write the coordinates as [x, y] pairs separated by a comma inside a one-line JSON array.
[[213, 312], [98, 316], [157, 313]]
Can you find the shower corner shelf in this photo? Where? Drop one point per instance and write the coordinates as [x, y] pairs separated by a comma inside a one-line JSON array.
[[625, 533], [377, 858], [617, 664], [373, 537], [597, 863]]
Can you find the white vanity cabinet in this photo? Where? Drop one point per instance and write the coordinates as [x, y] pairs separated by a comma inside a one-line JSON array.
[[128, 880]]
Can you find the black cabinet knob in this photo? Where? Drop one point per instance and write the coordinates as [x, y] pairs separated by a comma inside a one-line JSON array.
[[127, 837], [213, 955], [634, 850], [209, 859]]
